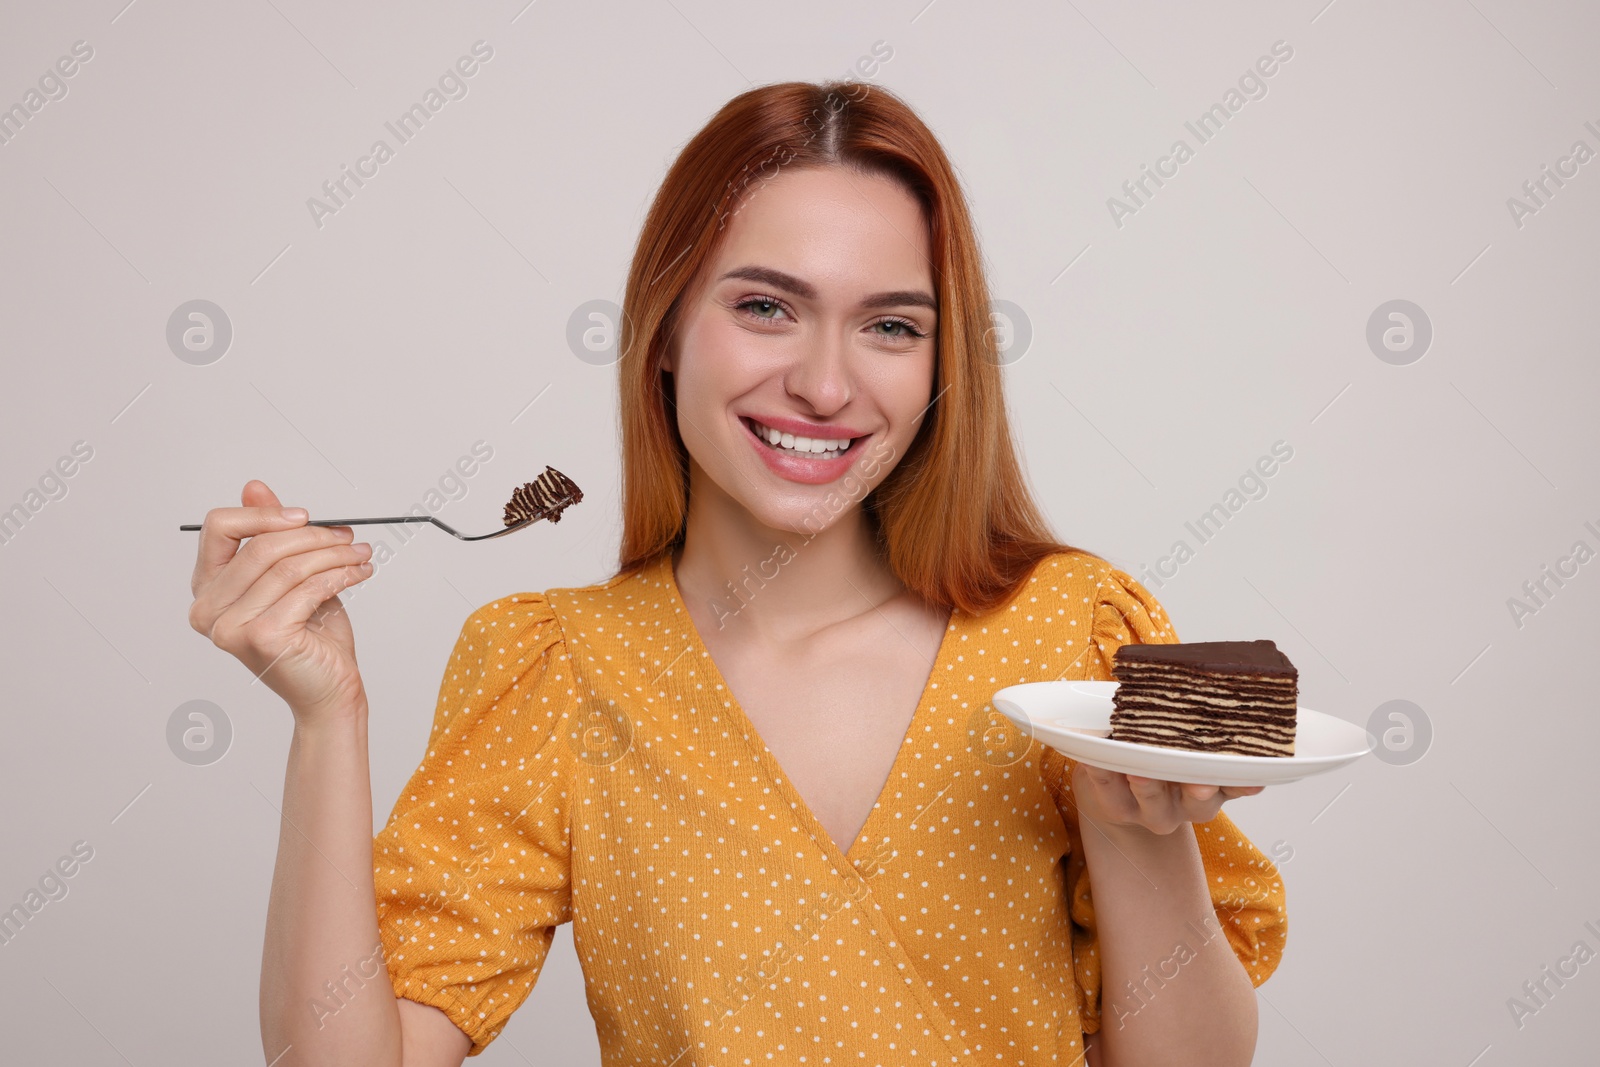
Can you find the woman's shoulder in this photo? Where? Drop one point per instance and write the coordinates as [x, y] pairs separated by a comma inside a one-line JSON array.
[[621, 593], [1079, 585], [1074, 576], [519, 642], [1076, 567]]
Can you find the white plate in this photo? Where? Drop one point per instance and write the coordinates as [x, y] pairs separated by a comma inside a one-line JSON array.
[[1075, 717]]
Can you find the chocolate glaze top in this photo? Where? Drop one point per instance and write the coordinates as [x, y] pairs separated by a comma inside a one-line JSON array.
[[1228, 657]]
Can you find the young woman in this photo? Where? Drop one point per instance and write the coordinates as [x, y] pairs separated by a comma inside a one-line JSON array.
[[756, 768]]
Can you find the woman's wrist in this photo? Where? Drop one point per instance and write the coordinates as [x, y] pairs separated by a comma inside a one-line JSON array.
[[1144, 848], [335, 720], [1135, 835]]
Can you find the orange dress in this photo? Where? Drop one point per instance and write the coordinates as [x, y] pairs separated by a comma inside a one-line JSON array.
[[588, 764]]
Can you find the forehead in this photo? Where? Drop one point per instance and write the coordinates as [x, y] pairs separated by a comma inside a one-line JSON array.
[[836, 227]]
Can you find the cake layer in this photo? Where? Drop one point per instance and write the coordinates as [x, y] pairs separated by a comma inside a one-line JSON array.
[[1154, 694], [1277, 735], [1202, 733], [1184, 677], [1256, 716], [1262, 717], [1231, 744], [1261, 720], [1126, 668], [1280, 698]]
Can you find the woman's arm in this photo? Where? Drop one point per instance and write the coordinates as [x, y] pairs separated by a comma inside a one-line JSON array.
[[325, 987], [1172, 988], [266, 590]]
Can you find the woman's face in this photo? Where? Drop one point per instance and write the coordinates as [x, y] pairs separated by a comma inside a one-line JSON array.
[[816, 319]]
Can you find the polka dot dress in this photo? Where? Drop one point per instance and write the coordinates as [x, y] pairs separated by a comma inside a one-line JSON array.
[[588, 764]]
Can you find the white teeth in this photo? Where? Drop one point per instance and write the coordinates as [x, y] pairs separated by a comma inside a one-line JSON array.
[[826, 448]]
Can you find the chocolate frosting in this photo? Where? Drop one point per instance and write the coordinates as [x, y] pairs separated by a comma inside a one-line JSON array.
[[1226, 657]]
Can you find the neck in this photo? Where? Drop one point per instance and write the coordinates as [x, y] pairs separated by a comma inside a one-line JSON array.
[[783, 584]]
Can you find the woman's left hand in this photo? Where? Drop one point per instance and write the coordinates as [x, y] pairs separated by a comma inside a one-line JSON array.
[[1128, 801]]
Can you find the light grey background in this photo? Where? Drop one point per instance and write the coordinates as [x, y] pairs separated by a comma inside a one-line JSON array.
[[1167, 355]]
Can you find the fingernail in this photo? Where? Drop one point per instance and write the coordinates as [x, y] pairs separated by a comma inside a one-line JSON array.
[[295, 514]]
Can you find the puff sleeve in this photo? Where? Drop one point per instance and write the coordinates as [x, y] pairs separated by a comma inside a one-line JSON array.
[[1247, 893], [472, 870]]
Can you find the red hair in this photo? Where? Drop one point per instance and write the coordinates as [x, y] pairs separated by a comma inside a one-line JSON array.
[[954, 518]]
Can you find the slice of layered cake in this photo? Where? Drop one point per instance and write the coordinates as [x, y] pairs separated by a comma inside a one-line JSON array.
[[546, 497], [1236, 697]]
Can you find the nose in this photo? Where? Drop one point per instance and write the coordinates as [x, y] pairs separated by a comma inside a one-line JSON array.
[[822, 375]]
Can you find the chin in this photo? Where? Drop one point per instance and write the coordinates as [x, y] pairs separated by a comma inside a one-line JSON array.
[[802, 518], [809, 514]]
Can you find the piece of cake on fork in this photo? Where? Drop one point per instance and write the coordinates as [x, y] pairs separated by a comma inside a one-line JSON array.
[[546, 497], [1235, 697]]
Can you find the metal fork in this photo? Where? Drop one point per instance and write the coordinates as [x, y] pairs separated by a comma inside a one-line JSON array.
[[452, 531]]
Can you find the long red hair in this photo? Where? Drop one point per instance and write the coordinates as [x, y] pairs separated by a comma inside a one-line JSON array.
[[954, 518]]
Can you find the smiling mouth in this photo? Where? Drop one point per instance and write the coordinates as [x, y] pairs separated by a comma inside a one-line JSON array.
[[820, 448]]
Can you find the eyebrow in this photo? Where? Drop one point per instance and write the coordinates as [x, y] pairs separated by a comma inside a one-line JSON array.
[[806, 291]]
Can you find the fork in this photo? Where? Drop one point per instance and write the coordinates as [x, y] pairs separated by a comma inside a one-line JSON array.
[[452, 531]]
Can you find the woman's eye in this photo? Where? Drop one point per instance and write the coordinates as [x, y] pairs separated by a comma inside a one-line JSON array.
[[898, 328], [760, 307]]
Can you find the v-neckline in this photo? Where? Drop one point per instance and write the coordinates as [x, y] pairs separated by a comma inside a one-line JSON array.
[[768, 759]]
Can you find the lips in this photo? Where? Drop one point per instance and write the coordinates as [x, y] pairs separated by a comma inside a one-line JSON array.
[[809, 469]]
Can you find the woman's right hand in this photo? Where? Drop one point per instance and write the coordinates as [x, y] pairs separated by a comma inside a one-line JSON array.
[[274, 603]]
